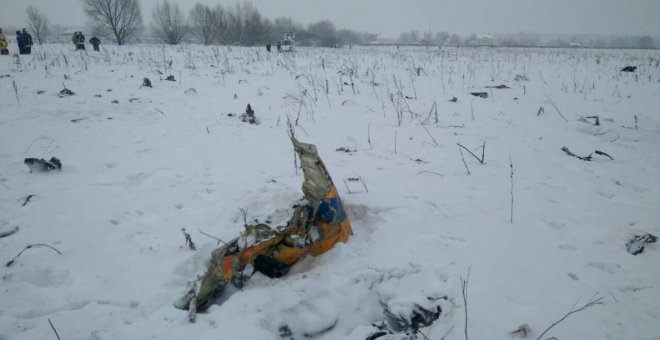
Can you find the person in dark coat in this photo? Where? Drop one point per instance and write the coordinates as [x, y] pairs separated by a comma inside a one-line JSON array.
[[74, 39], [279, 47], [95, 43], [268, 47], [28, 42], [21, 42], [80, 44]]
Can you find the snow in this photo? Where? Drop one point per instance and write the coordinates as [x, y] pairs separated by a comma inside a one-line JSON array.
[[164, 158]]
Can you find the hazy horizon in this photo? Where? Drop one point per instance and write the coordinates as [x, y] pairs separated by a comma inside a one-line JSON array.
[[389, 17]]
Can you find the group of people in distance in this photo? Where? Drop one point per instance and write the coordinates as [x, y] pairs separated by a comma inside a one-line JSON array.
[[24, 40], [79, 41]]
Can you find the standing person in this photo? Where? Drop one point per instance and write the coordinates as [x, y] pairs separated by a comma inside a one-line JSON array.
[[3, 44], [268, 47], [95, 43], [21, 42], [279, 47], [28, 42], [74, 40], [81, 41]]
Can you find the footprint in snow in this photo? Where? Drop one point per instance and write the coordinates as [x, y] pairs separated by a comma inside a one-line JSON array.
[[609, 268]]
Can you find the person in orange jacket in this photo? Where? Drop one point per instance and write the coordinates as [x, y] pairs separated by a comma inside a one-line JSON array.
[[3, 44]]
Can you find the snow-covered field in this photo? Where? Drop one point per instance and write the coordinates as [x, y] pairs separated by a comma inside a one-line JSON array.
[[137, 170]]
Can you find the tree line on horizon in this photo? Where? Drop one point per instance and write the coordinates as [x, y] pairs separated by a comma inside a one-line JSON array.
[[242, 24]]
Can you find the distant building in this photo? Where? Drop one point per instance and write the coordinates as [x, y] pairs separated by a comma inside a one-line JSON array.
[[383, 40], [482, 40]]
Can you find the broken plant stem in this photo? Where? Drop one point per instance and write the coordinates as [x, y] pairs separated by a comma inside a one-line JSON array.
[[28, 247], [512, 171], [54, 330], [483, 152], [464, 289], [363, 184], [555, 106], [435, 142], [213, 237], [463, 158], [16, 92], [244, 213], [592, 302], [189, 243], [369, 136]]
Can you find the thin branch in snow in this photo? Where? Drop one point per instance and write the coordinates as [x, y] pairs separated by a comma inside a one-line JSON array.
[[29, 246], [27, 199], [244, 213], [369, 136], [431, 172], [512, 171], [555, 106], [13, 82], [435, 142], [595, 300], [464, 289], [54, 330], [395, 132], [213, 237], [363, 184], [483, 152], [463, 158]]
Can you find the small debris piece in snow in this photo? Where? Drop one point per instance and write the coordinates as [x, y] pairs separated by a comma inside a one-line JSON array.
[[66, 92], [170, 78], [5, 76], [191, 91], [480, 94], [27, 199], [521, 77], [629, 69], [498, 87], [377, 335], [419, 317], [41, 165], [345, 149], [8, 232], [596, 118], [522, 331], [453, 99], [568, 152], [636, 244], [248, 116], [598, 152], [146, 82], [41, 92], [115, 101], [285, 332]]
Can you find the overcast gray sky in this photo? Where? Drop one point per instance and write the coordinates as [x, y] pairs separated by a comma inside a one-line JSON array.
[[390, 17]]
